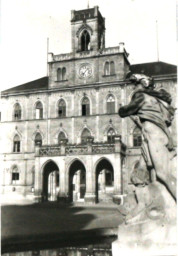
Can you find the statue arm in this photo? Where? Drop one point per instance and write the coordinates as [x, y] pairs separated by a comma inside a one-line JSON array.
[[133, 106]]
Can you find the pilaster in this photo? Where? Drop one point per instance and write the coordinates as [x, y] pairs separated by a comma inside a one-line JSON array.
[[90, 195]]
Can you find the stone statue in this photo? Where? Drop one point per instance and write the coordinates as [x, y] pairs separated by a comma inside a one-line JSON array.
[[155, 175]]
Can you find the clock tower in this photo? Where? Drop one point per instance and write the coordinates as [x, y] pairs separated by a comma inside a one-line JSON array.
[[89, 62], [88, 30]]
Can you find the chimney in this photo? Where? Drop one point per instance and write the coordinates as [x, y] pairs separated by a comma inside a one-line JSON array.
[[95, 11], [121, 47]]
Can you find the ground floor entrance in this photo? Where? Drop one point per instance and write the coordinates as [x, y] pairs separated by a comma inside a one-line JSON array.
[[104, 181], [50, 189], [87, 179], [77, 182]]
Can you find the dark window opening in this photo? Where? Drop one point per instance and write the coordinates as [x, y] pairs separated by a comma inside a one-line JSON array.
[[62, 108], [64, 74], [59, 74], [38, 140], [109, 178], [15, 176], [17, 112], [106, 69], [85, 134], [111, 135], [112, 68], [110, 104], [85, 107], [61, 137], [16, 145], [85, 41]]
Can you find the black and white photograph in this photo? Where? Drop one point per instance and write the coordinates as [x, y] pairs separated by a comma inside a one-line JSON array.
[[88, 133]]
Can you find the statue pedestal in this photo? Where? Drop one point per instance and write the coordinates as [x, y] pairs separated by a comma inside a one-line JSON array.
[[153, 231], [146, 238]]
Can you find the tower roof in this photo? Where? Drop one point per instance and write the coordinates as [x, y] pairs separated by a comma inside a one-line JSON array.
[[89, 13]]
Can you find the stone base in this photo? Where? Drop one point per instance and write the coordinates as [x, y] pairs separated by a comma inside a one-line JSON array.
[[90, 198], [148, 238], [152, 231]]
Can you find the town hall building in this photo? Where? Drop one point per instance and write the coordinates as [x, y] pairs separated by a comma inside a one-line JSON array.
[[61, 136]]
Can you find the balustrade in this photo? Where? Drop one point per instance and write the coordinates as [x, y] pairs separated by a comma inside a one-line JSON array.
[[87, 149], [49, 151]]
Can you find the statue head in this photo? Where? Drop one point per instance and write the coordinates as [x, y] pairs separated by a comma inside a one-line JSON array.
[[145, 81]]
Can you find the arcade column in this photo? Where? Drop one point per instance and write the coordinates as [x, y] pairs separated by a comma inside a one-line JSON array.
[[90, 195], [38, 177], [117, 171]]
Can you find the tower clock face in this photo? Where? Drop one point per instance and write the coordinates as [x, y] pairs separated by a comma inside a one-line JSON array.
[[85, 70]]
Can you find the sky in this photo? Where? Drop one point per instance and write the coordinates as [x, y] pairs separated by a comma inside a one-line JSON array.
[[26, 25]]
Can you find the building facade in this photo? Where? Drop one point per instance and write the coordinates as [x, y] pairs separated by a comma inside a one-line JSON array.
[[61, 136]]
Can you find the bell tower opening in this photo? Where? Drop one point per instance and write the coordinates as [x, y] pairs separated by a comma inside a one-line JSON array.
[[85, 41], [88, 30]]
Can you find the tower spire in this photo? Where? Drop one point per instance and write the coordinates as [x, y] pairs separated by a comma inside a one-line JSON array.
[[88, 6]]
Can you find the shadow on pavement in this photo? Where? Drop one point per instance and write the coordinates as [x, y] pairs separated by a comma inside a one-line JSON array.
[[44, 224]]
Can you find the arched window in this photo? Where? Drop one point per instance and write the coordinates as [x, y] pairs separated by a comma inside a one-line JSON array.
[[63, 73], [85, 107], [17, 112], [85, 134], [110, 135], [61, 137], [59, 74], [16, 144], [112, 68], [106, 69], [85, 41], [15, 175], [110, 104], [38, 139], [39, 110], [137, 137], [62, 108]]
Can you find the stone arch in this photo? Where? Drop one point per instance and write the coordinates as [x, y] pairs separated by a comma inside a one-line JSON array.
[[104, 172], [76, 180], [13, 110], [17, 143], [110, 126], [110, 109], [57, 105], [61, 129], [38, 130], [85, 97], [34, 108], [15, 174], [84, 27], [81, 130], [50, 180]]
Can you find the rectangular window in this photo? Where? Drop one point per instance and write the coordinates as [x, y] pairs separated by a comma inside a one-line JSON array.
[[62, 111], [16, 147], [85, 110], [110, 107], [15, 176]]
